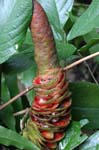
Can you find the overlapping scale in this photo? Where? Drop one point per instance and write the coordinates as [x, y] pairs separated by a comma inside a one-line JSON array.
[[50, 110]]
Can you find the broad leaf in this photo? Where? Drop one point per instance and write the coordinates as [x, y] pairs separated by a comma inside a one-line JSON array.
[[92, 45], [92, 143], [64, 7], [15, 17], [58, 13], [94, 34], [73, 137], [65, 50], [11, 138], [87, 22], [85, 96], [20, 62], [92, 39]]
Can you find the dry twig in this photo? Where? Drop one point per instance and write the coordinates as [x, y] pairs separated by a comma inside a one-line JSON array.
[[21, 112], [80, 61], [16, 97]]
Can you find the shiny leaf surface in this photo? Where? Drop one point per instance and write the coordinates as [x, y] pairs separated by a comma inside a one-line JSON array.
[[15, 17]]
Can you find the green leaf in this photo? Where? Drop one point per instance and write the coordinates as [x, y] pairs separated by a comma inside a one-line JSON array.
[[85, 96], [65, 50], [90, 44], [86, 22], [11, 138], [6, 115], [20, 62], [71, 59], [58, 13], [64, 7], [73, 137], [94, 147], [92, 38], [83, 122], [92, 143], [28, 39], [94, 34], [15, 17], [93, 49], [27, 79]]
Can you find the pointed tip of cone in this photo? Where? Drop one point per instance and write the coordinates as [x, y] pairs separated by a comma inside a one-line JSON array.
[[44, 44]]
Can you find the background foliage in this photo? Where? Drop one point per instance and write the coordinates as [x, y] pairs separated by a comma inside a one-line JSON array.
[[75, 26]]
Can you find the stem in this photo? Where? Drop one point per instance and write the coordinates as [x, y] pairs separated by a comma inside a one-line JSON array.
[[23, 120], [81, 4], [21, 112], [95, 68], [80, 61], [16, 97]]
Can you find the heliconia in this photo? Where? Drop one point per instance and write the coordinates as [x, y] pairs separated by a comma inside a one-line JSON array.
[[50, 112]]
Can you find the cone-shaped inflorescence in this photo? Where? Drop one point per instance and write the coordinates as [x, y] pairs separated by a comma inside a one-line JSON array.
[[50, 111]]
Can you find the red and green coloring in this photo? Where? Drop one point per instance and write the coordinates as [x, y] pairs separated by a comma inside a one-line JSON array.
[[50, 112]]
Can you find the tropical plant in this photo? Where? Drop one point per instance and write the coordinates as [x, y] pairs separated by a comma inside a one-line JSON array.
[[63, 32]]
